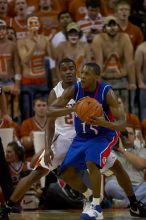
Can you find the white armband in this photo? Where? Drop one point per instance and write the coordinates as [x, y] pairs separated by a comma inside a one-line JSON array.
[[17, 76]]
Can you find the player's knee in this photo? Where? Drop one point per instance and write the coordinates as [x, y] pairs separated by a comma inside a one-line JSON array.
[[91, 165]]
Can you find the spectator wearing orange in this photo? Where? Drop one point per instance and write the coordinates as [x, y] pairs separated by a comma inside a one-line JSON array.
[[113, 52], [108, 7], [4, 11], [39, 122], [77, 9], [33, 50], [10, 71], [122, 12], [48, 17], [19, 22]]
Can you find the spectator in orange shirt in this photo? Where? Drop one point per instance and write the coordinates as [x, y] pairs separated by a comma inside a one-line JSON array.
[[48, 17], [122, 12], [4, 11], [39, 122], [33, 51], [19, 22], [77, 9], [108, 7]]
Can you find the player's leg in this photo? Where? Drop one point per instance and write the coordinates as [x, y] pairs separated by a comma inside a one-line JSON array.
[[72, 178], [26, 182], [22, 187]]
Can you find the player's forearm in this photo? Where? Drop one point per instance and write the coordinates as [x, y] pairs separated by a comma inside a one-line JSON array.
[[117, 125], [50, 136], [54, 112]]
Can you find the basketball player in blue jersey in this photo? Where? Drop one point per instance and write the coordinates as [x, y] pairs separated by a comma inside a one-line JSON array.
[[93, 143]]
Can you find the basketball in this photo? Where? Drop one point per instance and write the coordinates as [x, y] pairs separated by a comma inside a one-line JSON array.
[[88, 106]]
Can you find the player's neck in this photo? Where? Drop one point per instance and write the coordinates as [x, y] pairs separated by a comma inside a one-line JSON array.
[[66, 85], [91, 88]]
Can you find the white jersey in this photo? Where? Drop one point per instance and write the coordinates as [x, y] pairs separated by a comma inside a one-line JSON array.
[[64, 125]]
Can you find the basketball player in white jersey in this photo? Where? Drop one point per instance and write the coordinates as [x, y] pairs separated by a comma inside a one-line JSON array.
[[60, 134]]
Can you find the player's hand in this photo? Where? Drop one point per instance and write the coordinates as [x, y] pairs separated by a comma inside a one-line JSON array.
[[74, 107], [94, 120], [48, 157]]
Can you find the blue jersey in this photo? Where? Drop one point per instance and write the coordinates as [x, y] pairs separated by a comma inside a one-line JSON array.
[[84, 129]]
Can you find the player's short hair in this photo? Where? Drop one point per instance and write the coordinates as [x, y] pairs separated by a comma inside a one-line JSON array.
[[66, 60], [95, 67]]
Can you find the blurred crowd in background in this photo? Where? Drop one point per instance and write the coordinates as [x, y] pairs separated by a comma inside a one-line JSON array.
[[35, 35]]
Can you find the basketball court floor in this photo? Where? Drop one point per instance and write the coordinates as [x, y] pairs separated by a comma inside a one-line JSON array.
[[116, 214]]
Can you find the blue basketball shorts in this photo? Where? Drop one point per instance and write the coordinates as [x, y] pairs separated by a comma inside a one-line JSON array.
[[95, 149]]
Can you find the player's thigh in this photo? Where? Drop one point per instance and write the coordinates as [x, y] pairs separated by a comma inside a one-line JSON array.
[[99, 149]]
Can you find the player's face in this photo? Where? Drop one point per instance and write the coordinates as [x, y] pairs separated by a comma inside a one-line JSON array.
[[88, 78], [40, 108], [68, 72], [112, 29], [33, 24], [123, 12]]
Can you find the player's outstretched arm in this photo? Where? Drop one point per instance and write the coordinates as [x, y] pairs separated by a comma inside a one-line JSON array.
[[58, 107]]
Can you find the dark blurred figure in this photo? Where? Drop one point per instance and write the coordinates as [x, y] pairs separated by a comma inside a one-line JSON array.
[[138, 14]]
